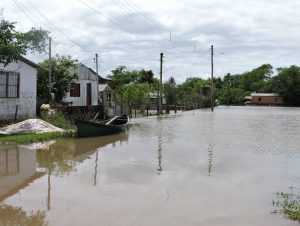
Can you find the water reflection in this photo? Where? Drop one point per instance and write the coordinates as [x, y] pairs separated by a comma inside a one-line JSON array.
[[17, 169], [22, 165], [9, 161], [10, 215], [159, 157], [62, 156], [210, 159], [96, 171]]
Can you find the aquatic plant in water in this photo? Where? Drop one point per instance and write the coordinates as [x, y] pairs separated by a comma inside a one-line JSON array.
[[288, 204]]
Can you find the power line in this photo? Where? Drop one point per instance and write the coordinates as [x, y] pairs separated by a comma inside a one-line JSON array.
[[58, 29], [138, 17], [150, 19], [159, 26], [106, 17], [20, 7]]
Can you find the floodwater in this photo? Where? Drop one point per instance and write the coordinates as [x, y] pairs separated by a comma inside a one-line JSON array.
[[193, 168]]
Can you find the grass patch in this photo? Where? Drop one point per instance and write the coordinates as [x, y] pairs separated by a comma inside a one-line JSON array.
[[35, 137], [288, 204], [57, 118]]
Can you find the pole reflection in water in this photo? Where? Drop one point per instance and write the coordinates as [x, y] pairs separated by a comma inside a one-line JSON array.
[[210, 159], [96, 166], [159, 157], [49, 181]]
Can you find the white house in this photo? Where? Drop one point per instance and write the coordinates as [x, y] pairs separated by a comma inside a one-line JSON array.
[[84, 91], [18, 89]]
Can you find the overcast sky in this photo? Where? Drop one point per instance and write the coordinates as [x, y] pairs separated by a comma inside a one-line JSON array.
[[133, 33]]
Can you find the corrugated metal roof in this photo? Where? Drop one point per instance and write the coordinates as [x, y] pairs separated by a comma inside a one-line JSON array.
[[265, 94], [104, 87]]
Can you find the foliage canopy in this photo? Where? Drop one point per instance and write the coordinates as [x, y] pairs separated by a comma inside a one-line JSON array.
[[13, 44]]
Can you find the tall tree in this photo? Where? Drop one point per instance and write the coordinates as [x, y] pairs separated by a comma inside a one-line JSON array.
[[62, 77], [13, 44]]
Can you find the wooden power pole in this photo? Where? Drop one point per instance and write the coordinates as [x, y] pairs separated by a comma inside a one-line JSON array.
[[212, 78], [49, 72], [96, 59], [160, 84]]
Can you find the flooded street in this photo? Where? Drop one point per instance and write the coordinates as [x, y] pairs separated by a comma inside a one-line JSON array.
[[193, 168]]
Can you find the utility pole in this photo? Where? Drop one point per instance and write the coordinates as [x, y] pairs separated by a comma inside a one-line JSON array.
[[49, 70], [212, 78], [96, 59], [160, 84]]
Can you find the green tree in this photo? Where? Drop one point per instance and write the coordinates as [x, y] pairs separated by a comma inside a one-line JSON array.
[[255, 79], [170, 93], [62, 77], [13, 44], [145, 76], [120, 77], [287, 83]]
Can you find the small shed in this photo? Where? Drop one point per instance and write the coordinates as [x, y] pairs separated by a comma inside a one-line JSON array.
[[105, 95], [266, 99], [18, 90]]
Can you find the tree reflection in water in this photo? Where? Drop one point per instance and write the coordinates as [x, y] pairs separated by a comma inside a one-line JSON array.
[[10, 215]]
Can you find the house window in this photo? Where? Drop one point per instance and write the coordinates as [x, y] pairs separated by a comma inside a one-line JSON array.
[[9, 84], [275, 99], [108, 97], [259, 99], [75, 90]]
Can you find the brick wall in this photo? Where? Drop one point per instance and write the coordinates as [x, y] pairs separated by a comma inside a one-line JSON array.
[[267, 100]]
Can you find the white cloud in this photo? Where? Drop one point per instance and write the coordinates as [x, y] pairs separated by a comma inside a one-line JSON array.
[[249, 33]]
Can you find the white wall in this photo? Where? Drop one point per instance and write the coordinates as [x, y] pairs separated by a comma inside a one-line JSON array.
[[27, 99], [81, 101], [85, 76]]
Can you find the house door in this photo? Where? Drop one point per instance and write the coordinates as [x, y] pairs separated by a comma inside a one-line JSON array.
[[88, 94]]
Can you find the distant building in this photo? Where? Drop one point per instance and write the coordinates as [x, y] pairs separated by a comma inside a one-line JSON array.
[[18, 89], [266, 99]]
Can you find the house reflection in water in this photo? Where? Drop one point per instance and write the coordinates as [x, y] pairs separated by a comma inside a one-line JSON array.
[[17, 169]]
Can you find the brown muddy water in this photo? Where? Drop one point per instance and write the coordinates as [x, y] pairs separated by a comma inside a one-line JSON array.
[[192, 168]]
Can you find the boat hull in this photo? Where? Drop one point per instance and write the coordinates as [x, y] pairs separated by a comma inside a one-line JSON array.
[[92, 129]]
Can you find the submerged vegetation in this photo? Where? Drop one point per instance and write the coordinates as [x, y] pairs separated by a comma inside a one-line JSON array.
[[288, 204]]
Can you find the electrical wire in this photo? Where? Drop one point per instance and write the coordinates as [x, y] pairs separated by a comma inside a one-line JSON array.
[[58, 29], [106, 17], [139, 18], [20, 7]]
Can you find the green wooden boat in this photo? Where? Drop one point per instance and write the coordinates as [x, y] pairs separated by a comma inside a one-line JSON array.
[[87, 128]]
